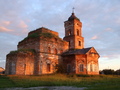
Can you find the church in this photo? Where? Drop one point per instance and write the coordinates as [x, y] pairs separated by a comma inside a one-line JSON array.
[[43, 52]]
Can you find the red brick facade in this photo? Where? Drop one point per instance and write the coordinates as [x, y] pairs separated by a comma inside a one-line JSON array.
[[78, 59], [42, 50]]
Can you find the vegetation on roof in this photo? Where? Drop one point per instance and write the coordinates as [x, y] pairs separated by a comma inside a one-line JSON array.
[[45, 35], [23, 50]]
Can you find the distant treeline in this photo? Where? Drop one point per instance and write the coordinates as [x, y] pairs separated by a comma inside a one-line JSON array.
[[110, 72]]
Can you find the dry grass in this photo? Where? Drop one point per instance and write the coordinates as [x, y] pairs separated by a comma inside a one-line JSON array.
[[101, 82]]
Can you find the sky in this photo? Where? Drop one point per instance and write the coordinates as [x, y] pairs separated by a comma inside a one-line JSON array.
[[100, 24]]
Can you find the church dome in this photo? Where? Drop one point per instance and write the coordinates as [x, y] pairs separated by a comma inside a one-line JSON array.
[[72, 17]]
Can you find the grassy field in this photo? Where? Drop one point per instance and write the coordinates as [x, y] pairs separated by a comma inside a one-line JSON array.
[[101, 82]]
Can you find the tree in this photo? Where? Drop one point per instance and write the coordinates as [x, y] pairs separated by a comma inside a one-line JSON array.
[[117, 72], [108, 71]]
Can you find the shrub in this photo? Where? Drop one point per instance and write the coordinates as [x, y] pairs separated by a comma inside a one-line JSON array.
[[60, 68]]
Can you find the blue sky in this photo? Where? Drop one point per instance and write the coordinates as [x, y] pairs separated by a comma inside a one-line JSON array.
[[100, 19]]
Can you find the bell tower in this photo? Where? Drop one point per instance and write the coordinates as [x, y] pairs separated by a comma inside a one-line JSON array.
[[73, 32]]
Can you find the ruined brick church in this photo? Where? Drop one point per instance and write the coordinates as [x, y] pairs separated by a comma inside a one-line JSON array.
[[43, 50]]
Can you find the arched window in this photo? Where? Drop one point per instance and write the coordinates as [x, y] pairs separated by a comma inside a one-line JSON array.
[[61, 51], [95, 67], [49, 50], [68, 68], [69, 44], [25, 69], [55, 39], [48, 67], [55, 51], [81, 67], [69, 32], [91, 67], [79, 43], [78, 33]]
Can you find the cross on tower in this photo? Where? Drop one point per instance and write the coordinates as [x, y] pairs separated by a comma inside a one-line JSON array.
[[73, 10]]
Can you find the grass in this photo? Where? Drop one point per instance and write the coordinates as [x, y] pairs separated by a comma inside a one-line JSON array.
[[24, 51], [102, 82]]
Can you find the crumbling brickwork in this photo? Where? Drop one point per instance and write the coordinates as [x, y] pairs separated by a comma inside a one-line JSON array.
[[77, 59], [47, 48], [43, 50], [20, 63]]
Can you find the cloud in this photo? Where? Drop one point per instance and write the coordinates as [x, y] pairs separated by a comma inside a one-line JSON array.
[[15, 27], [107, 62], [5, 23], [100, 20], [94, 37], [118, 21], [22, 24], [4, 29], [108, 29], [2, 64]]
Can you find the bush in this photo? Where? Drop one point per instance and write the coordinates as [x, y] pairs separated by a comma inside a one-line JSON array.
[[60, 68]]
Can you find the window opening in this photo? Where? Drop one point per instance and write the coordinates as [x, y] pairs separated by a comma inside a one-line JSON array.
[[49, 50], [55, 51], [91, 67], [69, 44], [68, 68], [48, 67], [78, 32], [81, 67], [61, 51], [55, 39], [69, 32], [79, 43]]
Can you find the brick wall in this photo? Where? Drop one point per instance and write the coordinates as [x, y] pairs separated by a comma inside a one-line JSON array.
[[20, 63], [47, 55]]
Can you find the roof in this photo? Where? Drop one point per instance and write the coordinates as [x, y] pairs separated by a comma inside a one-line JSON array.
[[77, 51], [2, 69], [72, 17], [43, 30]]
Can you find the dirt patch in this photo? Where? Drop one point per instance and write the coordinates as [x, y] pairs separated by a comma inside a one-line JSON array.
[[48, 88]]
